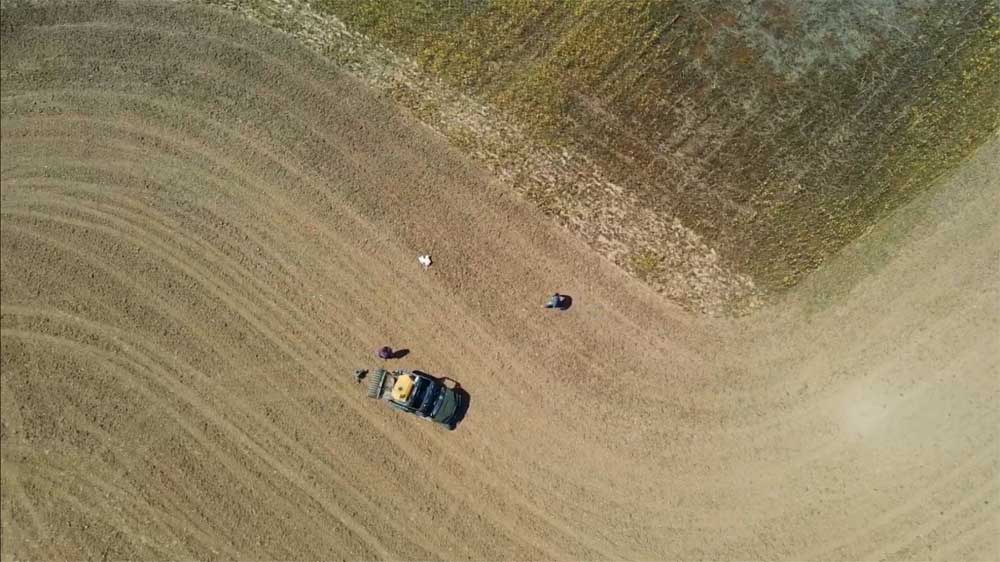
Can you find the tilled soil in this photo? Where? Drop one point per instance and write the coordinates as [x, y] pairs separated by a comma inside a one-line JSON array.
[[206, 229]]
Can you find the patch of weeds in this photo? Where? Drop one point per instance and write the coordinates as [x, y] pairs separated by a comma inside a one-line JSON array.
[[778, 143], [646, 264]]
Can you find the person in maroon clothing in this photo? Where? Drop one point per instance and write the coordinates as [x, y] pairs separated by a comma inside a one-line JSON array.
[[385, 353]]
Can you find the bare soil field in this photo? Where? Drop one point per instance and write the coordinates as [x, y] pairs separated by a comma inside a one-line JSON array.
[[206, 228]]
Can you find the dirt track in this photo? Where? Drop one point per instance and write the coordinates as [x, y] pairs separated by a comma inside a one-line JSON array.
[[205, 229]]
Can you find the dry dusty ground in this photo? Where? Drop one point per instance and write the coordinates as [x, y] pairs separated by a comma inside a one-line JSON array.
[[205, 229]]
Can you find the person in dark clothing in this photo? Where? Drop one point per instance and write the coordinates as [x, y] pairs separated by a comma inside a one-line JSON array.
[[557, 302], [385, 353]]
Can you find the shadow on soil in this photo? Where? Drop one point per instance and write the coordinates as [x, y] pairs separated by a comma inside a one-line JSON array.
[[463, 407]]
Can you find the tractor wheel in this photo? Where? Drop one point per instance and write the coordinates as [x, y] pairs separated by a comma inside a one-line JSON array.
[[375, 385]]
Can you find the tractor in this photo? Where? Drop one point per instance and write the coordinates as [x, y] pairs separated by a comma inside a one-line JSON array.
[[417, 393]]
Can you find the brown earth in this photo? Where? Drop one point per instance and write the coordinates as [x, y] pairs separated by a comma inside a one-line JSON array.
[[206, 228]]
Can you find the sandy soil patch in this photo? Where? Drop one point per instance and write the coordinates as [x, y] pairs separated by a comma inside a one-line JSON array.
[[206, 228]]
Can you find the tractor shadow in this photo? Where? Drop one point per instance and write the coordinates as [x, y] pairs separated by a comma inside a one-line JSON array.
[[464, 400]]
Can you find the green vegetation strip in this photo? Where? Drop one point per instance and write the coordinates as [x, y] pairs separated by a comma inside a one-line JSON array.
[[715, 150]]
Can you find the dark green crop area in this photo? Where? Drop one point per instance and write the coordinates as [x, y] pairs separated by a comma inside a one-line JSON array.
[[778, 130]]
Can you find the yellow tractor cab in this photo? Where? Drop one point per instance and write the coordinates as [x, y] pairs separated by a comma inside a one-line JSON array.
[[416, 393], [403, 388]]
